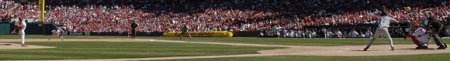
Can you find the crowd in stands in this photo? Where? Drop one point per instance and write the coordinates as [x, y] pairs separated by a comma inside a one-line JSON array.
[[3, 12], [221, 15], [313, 33]]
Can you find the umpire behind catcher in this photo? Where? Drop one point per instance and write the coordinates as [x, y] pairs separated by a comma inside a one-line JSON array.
[[134, 25], [436, 27]]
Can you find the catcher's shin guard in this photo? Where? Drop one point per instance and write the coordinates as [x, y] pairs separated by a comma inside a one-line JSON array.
[[414, 39]]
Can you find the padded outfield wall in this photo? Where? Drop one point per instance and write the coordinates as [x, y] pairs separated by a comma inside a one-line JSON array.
[[4, 28]]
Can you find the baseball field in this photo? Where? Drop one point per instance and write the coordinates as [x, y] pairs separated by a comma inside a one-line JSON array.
[[121, 48]]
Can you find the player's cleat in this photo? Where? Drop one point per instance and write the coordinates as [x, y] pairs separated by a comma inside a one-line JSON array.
[[422, 47], [405, 37], [365, 49], [442, 47], [445, 45], [24, 45], [392, 48]]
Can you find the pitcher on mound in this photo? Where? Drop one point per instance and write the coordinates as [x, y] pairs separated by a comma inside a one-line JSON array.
[[22, 26], [382, 30]]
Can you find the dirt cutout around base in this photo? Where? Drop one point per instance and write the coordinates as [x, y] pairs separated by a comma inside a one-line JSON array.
[[9, 46]]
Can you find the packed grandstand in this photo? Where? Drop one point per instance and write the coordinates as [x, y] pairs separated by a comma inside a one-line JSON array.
[[223, 15]]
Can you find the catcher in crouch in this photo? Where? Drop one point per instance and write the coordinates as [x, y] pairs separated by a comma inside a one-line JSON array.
[[419, 36]]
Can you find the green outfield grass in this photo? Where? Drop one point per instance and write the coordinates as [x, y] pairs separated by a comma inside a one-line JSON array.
[[91, 50], [427, 57], [316, 42], [115, 50]]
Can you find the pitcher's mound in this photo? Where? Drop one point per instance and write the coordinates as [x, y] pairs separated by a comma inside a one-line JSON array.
[[6, 46]]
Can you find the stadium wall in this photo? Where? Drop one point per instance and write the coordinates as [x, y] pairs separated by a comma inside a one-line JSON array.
[[4, 28], [45, 29], [246, 33], [201, 34], [38, 29]]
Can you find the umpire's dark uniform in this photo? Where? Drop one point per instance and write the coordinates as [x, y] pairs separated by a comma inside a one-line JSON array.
[[436, 27], [134, 25], [406, 27]]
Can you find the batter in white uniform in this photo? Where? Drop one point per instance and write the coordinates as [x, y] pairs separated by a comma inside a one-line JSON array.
[[382, 30], [57, 31]]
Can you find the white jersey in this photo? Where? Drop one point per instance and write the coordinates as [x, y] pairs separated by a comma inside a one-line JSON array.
[[57, 30], [24, 24], [339, 34], [385, 22]]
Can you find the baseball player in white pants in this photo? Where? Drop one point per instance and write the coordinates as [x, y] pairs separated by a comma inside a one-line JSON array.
[[57, 32], [22, 27], [382, 30]]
